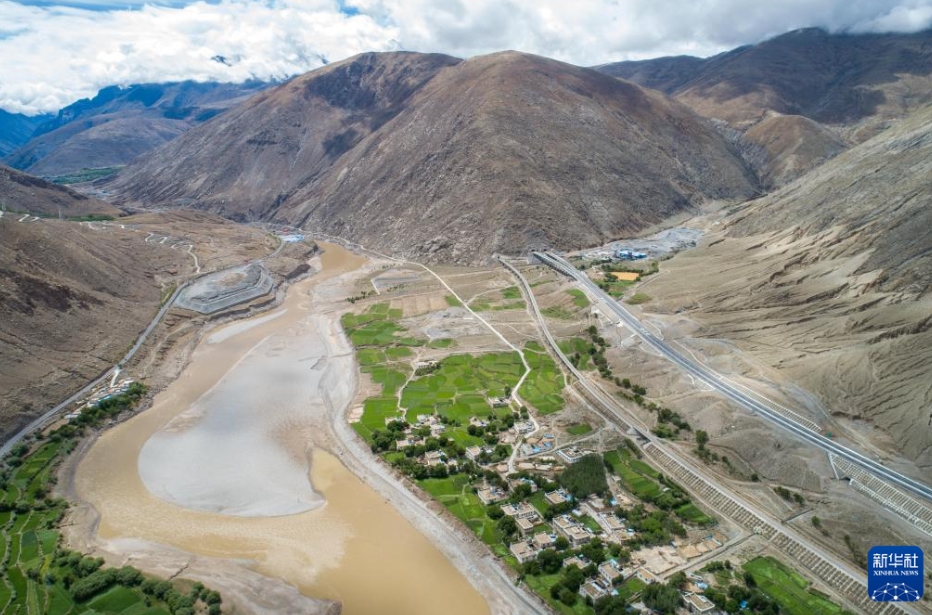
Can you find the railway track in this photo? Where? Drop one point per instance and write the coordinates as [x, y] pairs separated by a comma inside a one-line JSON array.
[[843, 579]]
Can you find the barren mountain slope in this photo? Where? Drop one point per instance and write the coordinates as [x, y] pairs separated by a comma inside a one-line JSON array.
[[829, 281], [20, 192], [73, 300], [429, 155], [120, 123], [790, 146], [830, 78]]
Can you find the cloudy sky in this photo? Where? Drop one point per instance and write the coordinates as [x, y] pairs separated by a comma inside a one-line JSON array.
[[52, 53]]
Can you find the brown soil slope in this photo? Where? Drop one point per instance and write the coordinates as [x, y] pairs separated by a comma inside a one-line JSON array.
[[435, 157], [829, 281], [73, 300], [25, 193], [830, 78], [791, 145]]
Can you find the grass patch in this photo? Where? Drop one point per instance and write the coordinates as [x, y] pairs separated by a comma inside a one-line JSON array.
[[455, 493], [512, 292], [453, 301], [579, 429], [513, 305], [638, 298], [692, 514], [445, 342], [85, 175], [557, 312], [400, 352], [580, 299], [543, 387], [789, 589], [114, 600]]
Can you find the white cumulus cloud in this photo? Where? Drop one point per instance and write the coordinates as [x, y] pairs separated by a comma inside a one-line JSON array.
[[52, 54]]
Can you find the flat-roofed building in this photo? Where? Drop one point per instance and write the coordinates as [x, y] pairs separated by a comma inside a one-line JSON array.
[[543, 540], [523, 551], [521, 510], [697, 603], [525, 526]]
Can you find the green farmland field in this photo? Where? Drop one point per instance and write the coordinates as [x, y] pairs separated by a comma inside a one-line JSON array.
[[789, 589]]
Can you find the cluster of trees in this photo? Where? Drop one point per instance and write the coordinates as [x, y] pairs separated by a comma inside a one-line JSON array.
[[84, 577], [363, 295], [183, 604], [613, 605], [428, 369], [729, 598], [111, 407], [567, 589], [654, 528], [663, 598], [790, 496], [492, 428], [702, 438], [585, 477]]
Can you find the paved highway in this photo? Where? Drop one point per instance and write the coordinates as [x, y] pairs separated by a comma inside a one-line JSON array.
[[729, 390], [51, 414], [837, 573]]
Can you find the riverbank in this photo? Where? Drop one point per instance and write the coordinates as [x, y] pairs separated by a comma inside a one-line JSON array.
[[394, 568]]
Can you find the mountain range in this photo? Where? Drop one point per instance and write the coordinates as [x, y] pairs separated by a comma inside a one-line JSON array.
[[800, 98], [440, 158], [120, 123], [16, 129]]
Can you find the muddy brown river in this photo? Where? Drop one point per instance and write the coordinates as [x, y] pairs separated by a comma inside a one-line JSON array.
[[209, 438]]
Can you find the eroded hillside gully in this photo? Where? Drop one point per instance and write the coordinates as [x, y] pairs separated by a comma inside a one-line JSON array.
[[229, 462]]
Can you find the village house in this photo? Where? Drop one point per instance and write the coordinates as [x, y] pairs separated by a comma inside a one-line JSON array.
[[609, 571], [594, 505], [543, 540], [523, 551], [592, 590], [525, 526], [473, 452], [647, 576], [571, 530], [576, 560], [524, 427], [521, 510], [491, 494], [516, 482], [433, 458], [699, 604], [555, 497]]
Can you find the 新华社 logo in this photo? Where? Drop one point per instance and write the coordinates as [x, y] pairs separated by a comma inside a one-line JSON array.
[[895, 574]]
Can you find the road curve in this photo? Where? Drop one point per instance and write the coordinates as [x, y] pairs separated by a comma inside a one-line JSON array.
[[717, 382]]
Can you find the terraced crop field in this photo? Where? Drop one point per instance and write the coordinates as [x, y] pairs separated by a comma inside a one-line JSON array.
[[38, 576]]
